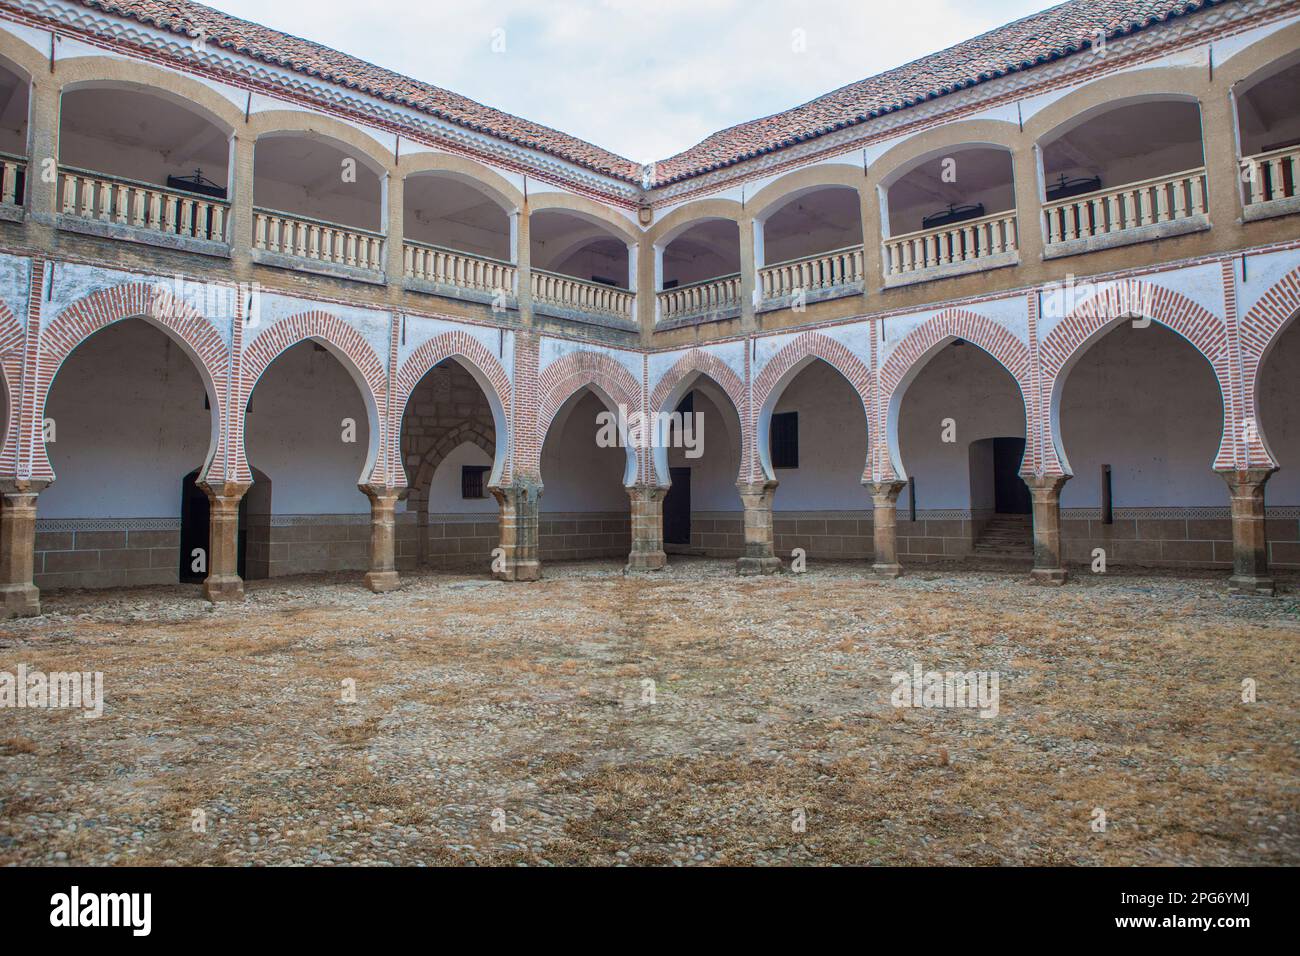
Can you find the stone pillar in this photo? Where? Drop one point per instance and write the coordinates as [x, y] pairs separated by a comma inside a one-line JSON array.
[[1029, 202], [239, 226], [223, 582], [518, 559], [884, 527], [394, 229], [748, 274], [759, 556], [647, 528], [382, 575], [43, 146], [1046, 493], [19, 597], [1249, 538]]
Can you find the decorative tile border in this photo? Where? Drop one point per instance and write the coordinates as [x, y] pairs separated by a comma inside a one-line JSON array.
[[51, 525]]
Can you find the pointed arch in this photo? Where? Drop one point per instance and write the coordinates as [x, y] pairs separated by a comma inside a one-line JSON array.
[[485, 369], [672, 387], [11, 372], [346, 344], [181, 322], [911, 355], [1260, 330], [609, 379]]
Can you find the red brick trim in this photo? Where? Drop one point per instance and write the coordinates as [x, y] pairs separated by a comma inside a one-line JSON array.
[[698, 360], [464, 348], [11, 371], [1010, 352], [1118, 302], [197, 336], [577, 370], [344, 339], [1257, 333]]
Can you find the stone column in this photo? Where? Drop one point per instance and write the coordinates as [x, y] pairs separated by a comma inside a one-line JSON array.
[[394, 229], [223, 582], [42, 147], [748, 273], [1249, 538], [884, 527], [382, 575], [647, 528], [759, 556], [240, 224], [517, 559], [1046, 493], [19, 597]]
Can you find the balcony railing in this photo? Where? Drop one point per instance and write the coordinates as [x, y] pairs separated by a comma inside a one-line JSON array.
[[317, 240], [13, 170], [960, 242], [458, 269], [700, 298], [126, 202], [579, 295], [1110, 211], [829, 270], [1271, 175]]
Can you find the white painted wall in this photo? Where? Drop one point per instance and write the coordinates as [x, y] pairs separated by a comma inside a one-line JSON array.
[[713, 474], [294, 433], [1146, 403], [832, 444], [129, 425], [968, 385], [444, 489], [1279, 414], [577, 474]]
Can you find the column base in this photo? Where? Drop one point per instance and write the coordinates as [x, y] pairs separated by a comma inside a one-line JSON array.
[[381, 581], [520, 571], [1050, 577], [222, 589], [647, 561], [1249, 585], [767, 565], [887, 571], [19, 600]]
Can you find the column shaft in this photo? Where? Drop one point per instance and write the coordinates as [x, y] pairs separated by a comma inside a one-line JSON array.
[[1250, 574], [517, 559], [759, 556], [647, 552], [884, 527], [19, 596], [223, 582], [382, 575], [1045, 490]]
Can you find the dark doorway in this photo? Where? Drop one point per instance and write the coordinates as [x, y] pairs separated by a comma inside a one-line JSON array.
[[677, 508], [1010, 493], [195, 528]]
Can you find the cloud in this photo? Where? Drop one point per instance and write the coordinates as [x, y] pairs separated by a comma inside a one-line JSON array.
[[644, 78]]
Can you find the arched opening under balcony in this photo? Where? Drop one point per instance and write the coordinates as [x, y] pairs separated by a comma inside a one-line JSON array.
[[810, 243], [144, 161], [699, 271], [1279, 419], [581, 267], [457, 236], [1125, 172], [951, 212], [1268, 127], [319, 203]]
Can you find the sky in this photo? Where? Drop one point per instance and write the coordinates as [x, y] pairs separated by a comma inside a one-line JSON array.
[[643, 78]]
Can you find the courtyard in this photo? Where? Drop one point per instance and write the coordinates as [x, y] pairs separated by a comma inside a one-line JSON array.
[[517, 724]]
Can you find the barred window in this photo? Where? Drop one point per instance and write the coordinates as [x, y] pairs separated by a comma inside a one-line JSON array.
[[784, 440], [473, 481]]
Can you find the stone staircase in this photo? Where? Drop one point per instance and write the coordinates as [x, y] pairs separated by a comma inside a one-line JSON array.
[[1006, 537]]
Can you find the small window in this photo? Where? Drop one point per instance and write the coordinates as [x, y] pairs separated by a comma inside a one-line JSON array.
[[473, 480], [784, 435]]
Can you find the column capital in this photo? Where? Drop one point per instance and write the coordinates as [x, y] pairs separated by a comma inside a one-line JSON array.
[[224, 489], [23, 486], [1046, 485], [1250, 573]]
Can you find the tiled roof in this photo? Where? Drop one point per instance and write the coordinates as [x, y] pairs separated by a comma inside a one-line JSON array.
[[1036, 39]]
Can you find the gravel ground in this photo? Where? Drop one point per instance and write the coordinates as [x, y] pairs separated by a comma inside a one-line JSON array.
[[504, 724]]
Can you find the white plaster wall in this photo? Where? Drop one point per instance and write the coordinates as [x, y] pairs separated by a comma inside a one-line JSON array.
[[293, 433], [832, 444], [444, 490], [713, 474], [577, 474], [1146, 403], [129, 425], [968, 385], [1279, 412]]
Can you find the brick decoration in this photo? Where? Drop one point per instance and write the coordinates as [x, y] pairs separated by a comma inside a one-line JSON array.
[[328, 330], [582, 369], [831, 351], [705, 363], [466, 349], [1009, 351], [1258, 331], [1120, 301], [11, 370], [98, 310]]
